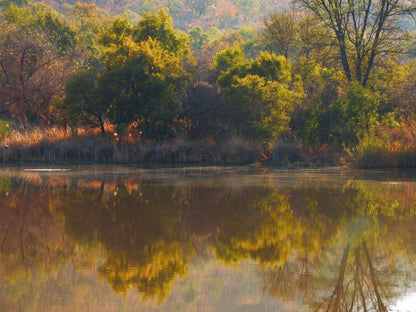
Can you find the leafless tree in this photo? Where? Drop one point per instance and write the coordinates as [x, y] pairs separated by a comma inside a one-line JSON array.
[[280, 32], [364, 30]]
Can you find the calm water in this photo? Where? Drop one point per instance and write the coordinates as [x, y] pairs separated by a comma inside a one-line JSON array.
[[207, 239]]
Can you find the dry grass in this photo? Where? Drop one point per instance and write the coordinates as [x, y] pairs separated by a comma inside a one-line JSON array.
[[393, 147], [55, 145], [58, 145], [35, 136]]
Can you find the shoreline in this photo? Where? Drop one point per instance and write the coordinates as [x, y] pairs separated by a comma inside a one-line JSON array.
[[59, 148]]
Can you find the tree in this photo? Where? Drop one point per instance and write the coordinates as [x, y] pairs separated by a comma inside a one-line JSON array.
[[35, 50], [313, 41], [43, 18], [343, 121], [198, 38], [398, 83], [199, 6], [259, 95], [228, 58], [142, 83], [204, 107], [158, 26], [280, 33], [32, 74], [83, 102], [88, 21], [258, 108], [365, 31], [297, 36], [246, 5], [143, 74], [322, 87]]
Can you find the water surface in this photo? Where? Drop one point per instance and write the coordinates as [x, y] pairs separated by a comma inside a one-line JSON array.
[[207, 239]]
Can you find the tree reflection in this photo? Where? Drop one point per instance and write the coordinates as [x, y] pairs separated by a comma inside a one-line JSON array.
[[373, 224], [357, 287], [331, 247], [30, 232], [151, 233], [265, 230]]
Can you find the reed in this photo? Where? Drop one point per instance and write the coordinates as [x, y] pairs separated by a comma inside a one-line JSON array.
[[386, 147], [56, 145]]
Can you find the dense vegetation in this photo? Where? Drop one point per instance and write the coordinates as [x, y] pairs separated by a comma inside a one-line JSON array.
[[317, 79], [189, 13]]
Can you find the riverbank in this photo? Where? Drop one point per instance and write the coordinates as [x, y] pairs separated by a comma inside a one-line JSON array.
[[59, 146], [385, 147]]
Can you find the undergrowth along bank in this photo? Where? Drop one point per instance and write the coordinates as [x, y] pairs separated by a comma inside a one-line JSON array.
[[386, 147], [58, 146]]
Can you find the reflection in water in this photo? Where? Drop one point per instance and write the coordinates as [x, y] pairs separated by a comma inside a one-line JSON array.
[[320, 244]]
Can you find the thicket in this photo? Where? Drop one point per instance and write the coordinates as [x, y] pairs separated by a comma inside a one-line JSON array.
[[288, 90]]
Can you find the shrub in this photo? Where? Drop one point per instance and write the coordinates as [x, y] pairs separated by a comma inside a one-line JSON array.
[[386, 147], [5, 129]]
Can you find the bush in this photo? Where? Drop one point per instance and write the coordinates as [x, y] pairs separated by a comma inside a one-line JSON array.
[[386, 147], [343, 122], [5, 129]]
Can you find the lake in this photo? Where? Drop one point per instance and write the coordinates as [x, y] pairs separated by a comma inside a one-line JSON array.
[[207, 239]]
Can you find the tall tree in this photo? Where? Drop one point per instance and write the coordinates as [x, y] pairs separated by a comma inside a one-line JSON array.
[[142, 84], [32, 74], [364, 30], [83, 102], [259, 95], [280, 33], [36, 46], [143, 75], [159, 26]]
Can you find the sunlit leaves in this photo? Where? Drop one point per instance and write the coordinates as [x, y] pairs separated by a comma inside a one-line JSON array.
[[259, 95]]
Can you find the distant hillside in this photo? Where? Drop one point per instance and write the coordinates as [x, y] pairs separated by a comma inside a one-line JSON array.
[[188, 13]]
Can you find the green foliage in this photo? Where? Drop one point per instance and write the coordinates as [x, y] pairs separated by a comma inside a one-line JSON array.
[[198, 37], [228, 58], [246, 5], [40, 17], [141, 79], [322, 85], [5, 129], [89, 21], [83, 104], [259, 95], [344, 121], [136, 72], [397, 84], [17, 15], [257, 108], [142, 84], [272, 67], [36, 49], [58, 30], [115, 33], [121, 34], [158, 26], [204, 108]]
